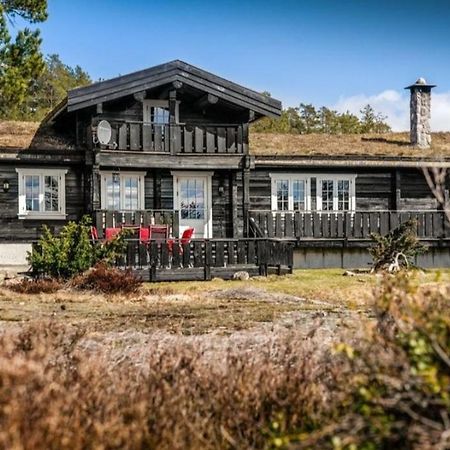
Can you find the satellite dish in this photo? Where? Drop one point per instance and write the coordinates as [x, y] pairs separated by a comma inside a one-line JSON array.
[[104, 132]]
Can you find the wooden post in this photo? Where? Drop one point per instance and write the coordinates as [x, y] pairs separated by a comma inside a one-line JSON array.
[[234, 204], [246, 199], [207, 260], [396, 190], [95, 187], [172, 121]]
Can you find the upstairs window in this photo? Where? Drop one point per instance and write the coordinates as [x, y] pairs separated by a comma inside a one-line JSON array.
[[41, 193], [122, 191], [157, 112]]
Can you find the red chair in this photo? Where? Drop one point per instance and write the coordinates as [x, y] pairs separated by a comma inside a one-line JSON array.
[[158, 232], [144, 235], [111, 233], [185, 239], [94, 234]]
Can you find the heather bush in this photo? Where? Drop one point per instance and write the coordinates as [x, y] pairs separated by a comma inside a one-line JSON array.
[[36, 286], [396, 392], [397, 249], [72, 251], [106, 279], [387, 386]]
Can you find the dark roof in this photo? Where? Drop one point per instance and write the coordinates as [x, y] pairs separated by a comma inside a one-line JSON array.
[[166, 73]]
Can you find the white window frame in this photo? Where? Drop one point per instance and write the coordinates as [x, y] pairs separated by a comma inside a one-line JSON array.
[[154, 103], [351, 178], [122, 175], [42, 173], [290, 177]]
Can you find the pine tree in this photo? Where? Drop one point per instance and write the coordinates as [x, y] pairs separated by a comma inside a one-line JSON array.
[[21, 61]]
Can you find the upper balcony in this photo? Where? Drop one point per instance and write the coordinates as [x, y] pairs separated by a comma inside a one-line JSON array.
[[172, 139]]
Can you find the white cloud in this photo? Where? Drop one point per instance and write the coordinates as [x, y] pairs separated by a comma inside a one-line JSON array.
[[395, 105]]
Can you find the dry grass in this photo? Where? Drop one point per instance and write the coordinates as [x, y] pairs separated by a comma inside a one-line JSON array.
[[390, 144], [16, 134], [63, 387]]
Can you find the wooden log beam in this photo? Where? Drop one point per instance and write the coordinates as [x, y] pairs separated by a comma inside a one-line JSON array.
[[175, 85], [140, 96], [205, 101]]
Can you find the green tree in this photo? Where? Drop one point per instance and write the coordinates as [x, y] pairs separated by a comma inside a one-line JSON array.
[[371, 122], [21, 61], [52, 85]]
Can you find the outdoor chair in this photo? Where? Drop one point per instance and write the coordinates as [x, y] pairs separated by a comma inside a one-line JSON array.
[[186, 238], [111, 233]]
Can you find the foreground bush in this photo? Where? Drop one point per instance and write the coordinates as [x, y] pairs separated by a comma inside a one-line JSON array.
[[386, 388], [396, 381], [72, 251], [106, 279]]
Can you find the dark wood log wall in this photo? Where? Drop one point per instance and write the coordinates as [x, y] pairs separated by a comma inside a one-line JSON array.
[[14, 229]]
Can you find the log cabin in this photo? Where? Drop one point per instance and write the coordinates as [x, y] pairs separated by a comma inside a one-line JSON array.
[[171, 145]]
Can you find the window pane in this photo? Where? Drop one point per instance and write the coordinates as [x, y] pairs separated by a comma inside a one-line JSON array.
[[32, 192], [113, 192], [160, 116], [343, 187], [299, 195], [131, 193], [327, 195], [51, 193], [192, 199], [282, 195]]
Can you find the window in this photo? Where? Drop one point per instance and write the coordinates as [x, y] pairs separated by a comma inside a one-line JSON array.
[[122, 191], [336, 193], [300, 192], [157, 112], [192, 198], [290, 192], [41, 193]]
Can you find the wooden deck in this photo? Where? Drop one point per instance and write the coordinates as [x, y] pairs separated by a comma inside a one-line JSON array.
[[205, 259], [333, 226]]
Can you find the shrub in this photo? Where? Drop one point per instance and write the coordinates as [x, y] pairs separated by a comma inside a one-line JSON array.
[[397, 249], [36, 286], [72, 252], [109, 280], [396, 392]]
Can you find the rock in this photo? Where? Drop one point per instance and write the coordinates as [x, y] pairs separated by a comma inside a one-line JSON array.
[[241, 275], [348, 273]]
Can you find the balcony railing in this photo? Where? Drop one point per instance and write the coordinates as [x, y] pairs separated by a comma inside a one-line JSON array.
[[174, 139], [345, 225], [114, 219]]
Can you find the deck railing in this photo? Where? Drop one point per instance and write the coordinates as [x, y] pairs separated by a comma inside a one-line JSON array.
[[345, 225], [174, 139], [113, 219], [214, 257]]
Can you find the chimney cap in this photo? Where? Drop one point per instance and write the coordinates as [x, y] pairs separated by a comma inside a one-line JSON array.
[[420, 83]]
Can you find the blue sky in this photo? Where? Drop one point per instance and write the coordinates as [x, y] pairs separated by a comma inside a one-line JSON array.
[[328, 52]]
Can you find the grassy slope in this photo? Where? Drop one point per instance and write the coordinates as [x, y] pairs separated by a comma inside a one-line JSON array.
[[162, 305]]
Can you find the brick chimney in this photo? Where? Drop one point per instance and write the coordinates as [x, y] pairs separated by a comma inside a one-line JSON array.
[[420, 113]]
